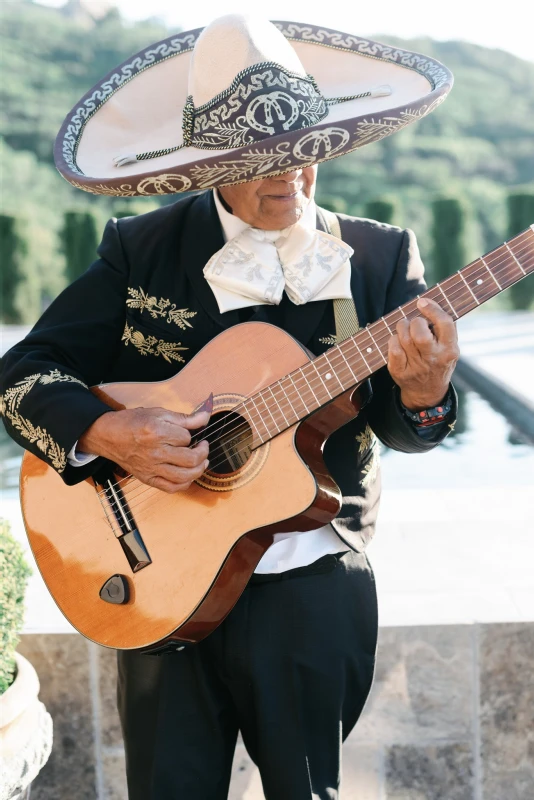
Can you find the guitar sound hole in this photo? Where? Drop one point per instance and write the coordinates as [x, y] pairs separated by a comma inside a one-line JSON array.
[[230, 439]]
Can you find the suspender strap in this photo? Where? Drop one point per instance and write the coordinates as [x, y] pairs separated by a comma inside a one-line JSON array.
[[344, 309]]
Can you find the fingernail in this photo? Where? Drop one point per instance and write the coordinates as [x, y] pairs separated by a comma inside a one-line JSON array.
[[422, 302], [206, 464]]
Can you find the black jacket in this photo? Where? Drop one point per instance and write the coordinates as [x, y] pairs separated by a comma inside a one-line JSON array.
[[143, 309]]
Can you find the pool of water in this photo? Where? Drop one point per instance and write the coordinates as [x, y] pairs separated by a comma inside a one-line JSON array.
[[483, 450]]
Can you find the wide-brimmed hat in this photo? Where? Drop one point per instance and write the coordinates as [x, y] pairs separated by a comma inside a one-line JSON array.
[[241, 100]]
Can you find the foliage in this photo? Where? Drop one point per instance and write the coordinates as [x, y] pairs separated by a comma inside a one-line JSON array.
[[476, 146], [13, 249], [521, 216], [15, 573], [80, 240], [448, 233], [381, 210]]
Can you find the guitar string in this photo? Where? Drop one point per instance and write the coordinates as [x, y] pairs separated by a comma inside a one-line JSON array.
[[246, 427], [317, 381], [219, 427], [146, 499], [133, 494]]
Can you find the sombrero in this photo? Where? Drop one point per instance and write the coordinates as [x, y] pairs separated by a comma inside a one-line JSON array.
[[241, 100]]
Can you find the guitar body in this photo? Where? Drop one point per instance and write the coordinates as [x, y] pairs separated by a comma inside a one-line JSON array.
[[204, 543]]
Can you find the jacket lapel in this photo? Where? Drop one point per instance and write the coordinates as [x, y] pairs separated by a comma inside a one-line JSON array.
[[202, 237]]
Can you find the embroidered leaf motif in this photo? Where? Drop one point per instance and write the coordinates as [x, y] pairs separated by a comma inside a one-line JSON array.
[[56, 376], [330, 340], [150, 345], [367, 441], [159, 308], [13, 396]]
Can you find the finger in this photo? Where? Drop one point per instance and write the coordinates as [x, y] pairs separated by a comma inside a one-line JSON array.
[[167, 486], [443, 324], [397, 358], [405, 339], [422, 336], [194, 421], [187, 457], [175, 474]]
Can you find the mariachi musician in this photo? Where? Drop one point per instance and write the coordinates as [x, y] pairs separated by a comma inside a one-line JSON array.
[[259, 105]]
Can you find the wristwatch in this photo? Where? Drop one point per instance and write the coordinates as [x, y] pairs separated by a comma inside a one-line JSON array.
[[429, 416]]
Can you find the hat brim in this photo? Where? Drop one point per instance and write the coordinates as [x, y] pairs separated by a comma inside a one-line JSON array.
[[138, 107]]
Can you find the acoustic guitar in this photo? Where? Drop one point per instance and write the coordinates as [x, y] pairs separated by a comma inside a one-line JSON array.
[[132, 567]]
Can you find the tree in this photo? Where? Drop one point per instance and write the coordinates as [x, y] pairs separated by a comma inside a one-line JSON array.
[[13, 250], [449, 237], [382, 210], [80, 240], [520, 216]]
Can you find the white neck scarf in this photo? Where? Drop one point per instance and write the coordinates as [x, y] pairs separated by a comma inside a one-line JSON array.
[[255, 266]]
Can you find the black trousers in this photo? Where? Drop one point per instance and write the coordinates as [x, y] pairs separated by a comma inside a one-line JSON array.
[[290, 667]]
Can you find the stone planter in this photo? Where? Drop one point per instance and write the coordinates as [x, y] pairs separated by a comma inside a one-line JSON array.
[[25, 733]]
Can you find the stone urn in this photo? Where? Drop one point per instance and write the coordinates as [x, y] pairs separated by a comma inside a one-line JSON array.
[[25, 733]]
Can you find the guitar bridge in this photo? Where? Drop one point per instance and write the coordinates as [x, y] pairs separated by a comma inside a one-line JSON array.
[[121, 519]]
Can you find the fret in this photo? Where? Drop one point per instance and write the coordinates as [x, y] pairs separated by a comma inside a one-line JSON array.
[[342, 354], [259, 395], [492, 275], [331, 371], [312, 364], [280, 385], [515, 259], [358, 350], [369, 349], [382, 319], [278, 404], [438, 286], [299, 395], [472, 294], [309, 385], [251, 400]]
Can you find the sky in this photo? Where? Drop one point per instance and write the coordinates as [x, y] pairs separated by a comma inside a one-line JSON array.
[[507, 26]]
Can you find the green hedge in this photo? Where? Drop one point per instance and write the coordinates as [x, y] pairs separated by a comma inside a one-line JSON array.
[[15, 573]]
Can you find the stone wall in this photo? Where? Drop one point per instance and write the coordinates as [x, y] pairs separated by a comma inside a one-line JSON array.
[[450, 717]]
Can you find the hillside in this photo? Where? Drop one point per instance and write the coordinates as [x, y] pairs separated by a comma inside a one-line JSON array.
[[477, 145]]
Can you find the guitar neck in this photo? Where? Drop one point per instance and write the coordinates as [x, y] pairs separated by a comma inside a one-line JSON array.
[[291, 399]]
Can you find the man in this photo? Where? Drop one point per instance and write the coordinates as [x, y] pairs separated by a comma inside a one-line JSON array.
[[292, 665]]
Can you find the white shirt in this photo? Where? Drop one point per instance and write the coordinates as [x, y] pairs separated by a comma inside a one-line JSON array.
[[289, 550]]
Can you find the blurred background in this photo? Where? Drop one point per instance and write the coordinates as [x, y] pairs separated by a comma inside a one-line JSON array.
[[451, 716]]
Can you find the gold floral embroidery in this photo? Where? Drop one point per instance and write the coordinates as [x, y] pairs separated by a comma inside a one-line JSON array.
[[34, 433], [57, 376], [160, 308], [150, 345], [367, 441], [330, 340]]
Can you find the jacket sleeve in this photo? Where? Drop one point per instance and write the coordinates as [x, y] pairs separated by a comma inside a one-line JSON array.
[[46, 404], [384, 410]]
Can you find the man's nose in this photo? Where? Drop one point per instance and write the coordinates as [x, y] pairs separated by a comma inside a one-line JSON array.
[[290, 177]]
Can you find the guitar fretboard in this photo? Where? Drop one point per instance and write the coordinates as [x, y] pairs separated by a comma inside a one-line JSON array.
[[280, 405]]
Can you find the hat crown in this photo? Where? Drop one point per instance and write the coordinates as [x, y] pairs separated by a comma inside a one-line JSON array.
[[231, 44]]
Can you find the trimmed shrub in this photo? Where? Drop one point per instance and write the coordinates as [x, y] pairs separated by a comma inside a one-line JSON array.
[[381, 211], [520, 216], [15, 573]]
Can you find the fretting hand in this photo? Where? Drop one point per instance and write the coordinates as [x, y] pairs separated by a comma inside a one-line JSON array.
[[422, 356], [152, 444]]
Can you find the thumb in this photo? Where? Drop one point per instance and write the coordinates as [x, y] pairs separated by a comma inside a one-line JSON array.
[[193, 421]]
